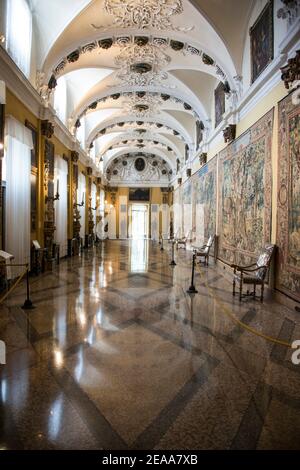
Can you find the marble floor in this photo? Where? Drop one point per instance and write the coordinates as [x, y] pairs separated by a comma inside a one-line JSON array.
[[116, 355]]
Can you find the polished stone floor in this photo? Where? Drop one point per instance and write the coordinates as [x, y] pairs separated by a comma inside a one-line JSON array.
[[116, 355]]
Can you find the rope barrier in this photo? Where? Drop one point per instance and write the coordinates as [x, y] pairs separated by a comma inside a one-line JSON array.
[[14, 285], [27, 304], [236, 320], [239, 322]]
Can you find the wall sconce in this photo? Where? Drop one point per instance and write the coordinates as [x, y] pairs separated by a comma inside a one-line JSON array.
[[92, 208], [2, 38], [81, 204], [56, 197]]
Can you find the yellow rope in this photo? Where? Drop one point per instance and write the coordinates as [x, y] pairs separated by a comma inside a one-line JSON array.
[[239, 322], [13, 286]]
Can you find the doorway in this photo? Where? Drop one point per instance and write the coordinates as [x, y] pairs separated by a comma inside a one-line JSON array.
[[139, 221]]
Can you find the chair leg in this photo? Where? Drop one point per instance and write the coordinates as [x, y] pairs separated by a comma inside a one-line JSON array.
[[233, 282], [241, 288], [262, 292]]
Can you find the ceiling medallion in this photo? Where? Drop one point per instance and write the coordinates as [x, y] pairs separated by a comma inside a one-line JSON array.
[[144, 14], [142, 65], [142, 106]]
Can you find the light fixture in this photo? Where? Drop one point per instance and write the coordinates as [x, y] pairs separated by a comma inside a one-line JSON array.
[[2, 39]]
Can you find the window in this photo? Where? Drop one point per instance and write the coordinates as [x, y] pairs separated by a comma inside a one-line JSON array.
[[60, 99], [18, 33], [80, 135]]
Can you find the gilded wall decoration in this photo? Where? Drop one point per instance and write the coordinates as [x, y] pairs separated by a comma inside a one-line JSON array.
[[204, 201], [245, 193], [288, 211]]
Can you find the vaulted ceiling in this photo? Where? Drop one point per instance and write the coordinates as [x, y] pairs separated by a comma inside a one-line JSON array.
[[139, 74]]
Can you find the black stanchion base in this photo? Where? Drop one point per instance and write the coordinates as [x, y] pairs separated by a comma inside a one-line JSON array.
[[192, 290], [28, 305], [161, 248], [172, 263]]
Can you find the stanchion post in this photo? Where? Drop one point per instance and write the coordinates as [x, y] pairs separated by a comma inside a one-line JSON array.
[[192, 289], [173, 261], [27, 304], [162, 244]]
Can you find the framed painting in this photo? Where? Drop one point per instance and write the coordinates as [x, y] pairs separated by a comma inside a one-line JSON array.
[[219, 103], [139, 194], [34, 151], [261, 41]]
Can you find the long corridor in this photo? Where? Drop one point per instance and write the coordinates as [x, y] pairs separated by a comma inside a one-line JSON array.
[[116, 355]]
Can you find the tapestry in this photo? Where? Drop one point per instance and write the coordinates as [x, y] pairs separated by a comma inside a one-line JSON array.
[[261, 41], [288, 211], [204, 199], [245, 193]]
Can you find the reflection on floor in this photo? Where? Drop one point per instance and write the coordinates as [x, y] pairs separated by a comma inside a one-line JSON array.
[[116, 355]]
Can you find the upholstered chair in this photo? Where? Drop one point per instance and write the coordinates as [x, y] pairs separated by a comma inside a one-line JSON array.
[[254, 274], [184, 240], [203, 251]]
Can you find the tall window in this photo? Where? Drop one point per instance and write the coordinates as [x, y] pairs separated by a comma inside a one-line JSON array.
[[80, 134], [60, 99], [18, 33]]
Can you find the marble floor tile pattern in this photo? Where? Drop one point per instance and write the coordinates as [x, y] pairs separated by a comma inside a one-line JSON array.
[[116, 355]]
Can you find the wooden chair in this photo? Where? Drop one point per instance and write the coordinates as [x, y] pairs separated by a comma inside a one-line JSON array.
[[255, 273], [203, 251], [184, 240]]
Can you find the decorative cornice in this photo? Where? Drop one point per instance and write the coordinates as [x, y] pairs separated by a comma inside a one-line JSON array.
[[18, 84], [229, 133], [203, 158], [74, 156], [47, 128], [290, 73]]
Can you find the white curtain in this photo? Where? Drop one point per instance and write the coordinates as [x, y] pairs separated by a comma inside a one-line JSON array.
[[81, 197], [94, 203], [100, 211], [18, 143], [19, 33], [60, 99], [61, 205]]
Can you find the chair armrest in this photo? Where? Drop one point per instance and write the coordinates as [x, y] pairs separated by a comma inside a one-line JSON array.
[[252, 270], [242, 267]]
